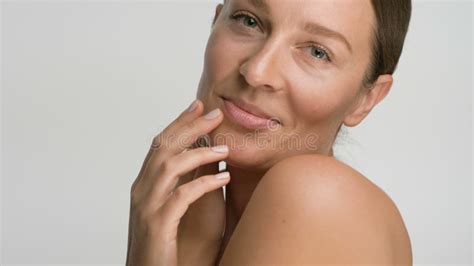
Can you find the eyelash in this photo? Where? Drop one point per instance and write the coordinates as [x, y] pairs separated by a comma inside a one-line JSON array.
[[326, 53], [240, 14]]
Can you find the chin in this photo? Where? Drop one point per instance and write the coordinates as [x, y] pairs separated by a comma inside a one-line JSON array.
[[244, 155], [249, 158]]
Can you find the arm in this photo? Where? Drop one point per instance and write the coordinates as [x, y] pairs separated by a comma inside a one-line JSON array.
[[311, 210]]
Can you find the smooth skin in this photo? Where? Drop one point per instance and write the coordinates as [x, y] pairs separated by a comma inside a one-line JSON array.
[[332, 215], [286, 206]]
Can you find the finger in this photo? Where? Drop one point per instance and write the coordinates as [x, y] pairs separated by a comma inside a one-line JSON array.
[[189, 133], [204, 169], [192, 112], [177, 204], [174, 167], [169, 133], [183, 138]]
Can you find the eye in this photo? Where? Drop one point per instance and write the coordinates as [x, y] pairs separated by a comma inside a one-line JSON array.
[[247, 20], [319, 52]]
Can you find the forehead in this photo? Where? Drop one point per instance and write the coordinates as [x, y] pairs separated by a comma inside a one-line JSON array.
[[353, 19]]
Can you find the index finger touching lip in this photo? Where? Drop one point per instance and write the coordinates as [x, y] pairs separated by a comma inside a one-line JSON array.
[[196, 130], [184, 137]]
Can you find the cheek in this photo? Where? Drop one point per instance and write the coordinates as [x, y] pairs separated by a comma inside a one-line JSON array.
[[315, 97], [222, 56], [321, 97]]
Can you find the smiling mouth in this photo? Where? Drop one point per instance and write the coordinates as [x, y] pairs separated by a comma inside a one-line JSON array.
[[248, 116]]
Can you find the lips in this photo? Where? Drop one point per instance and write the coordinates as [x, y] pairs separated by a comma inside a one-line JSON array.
[[248, 115]]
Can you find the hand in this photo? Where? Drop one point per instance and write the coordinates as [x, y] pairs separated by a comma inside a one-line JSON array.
[[201, 229], [157, 203]]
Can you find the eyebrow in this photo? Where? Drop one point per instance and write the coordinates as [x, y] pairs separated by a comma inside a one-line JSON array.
[[315, 28], [311, 28]]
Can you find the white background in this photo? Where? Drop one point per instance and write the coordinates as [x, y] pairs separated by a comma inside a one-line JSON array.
[[87, 84]]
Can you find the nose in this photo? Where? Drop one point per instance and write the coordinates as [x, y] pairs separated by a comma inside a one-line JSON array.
[[262, 69]]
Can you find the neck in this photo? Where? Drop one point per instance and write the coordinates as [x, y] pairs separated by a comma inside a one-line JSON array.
[[237, 194], [239, 190]]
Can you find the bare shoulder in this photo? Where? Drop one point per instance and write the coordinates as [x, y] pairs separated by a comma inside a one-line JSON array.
[[311, 209]]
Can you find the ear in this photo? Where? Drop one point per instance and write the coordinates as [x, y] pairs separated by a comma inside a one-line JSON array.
[[369, 100], [216, 15]]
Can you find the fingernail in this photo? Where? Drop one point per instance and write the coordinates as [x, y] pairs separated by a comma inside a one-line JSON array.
[[192, 106], [212, 114], [222, 175], [220, 149]]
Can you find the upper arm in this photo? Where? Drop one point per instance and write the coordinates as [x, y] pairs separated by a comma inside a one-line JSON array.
[[308, 210]]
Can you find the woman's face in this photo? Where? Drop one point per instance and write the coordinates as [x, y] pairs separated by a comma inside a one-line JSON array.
[[299, 61]]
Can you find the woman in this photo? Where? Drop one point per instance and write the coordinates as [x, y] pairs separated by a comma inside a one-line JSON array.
[[280, 78]]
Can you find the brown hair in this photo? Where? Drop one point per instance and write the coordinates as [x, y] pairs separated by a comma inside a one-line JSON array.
[[391, 26]]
